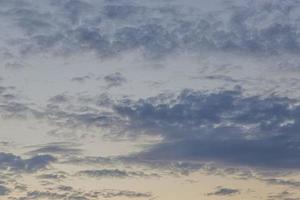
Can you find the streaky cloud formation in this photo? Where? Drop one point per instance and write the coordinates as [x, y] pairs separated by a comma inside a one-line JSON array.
[[224, 192]]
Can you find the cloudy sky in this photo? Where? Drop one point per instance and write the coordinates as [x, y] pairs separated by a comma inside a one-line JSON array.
[[149, 100]]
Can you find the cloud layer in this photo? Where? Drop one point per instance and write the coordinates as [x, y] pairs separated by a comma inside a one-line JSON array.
[[155, 29]]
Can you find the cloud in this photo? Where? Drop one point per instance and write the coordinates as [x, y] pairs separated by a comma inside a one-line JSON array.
[[12, 162], [114, 80], [55, 148], [80, 79], [284, 195], [115, 173], [46, 194], [14, 65], [156, 29], [123, 193], [58, 99], [224, 127], [4, 191], [224, 192], [275, 181], [80, 195], [56, 176]]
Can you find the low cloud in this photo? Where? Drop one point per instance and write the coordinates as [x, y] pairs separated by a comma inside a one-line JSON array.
[[115, 173], [224, 192], [12, 162], [114, 80], [224, 127]]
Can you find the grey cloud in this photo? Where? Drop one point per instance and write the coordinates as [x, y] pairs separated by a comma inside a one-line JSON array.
[[80, 79], [46, 194], [14, 65], [275, 181], [114, 80], [105, 173], [122, 12], [65, 188], [74, 26], [284, 195], [54, 176], [55, 148], [12, 107], [224, 192], [115, 173], [80, 195], [61, 98], [10, 161], [123, 193], [224, 127], [4, 190]]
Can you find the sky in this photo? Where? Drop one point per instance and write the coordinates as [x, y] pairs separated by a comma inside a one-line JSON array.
[[149, 100]]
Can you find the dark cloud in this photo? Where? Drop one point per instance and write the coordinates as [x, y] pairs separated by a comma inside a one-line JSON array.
[[115, 173], [224, 127], [12, 107], [54, 176], [80, 79], [14, 65], [114, 80], [123, 193], [45, 194], [154, 29], [105, 173], [80, 195], [284, 195], [276, 181], [61, 98], [56, 148], [122, 12], [224, 192], [10, 161], [3, 190]]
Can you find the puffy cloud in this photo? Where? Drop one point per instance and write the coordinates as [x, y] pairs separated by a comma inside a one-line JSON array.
[[224, 192], [225, 127], [156, 29]]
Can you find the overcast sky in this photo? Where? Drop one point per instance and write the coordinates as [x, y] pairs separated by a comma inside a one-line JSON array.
[[150, 100]]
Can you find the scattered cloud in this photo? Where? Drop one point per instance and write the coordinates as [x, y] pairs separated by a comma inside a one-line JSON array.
[[115, 80], [12, 162], [115, 173], [3, 190], [224, 192], [81, 79]]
